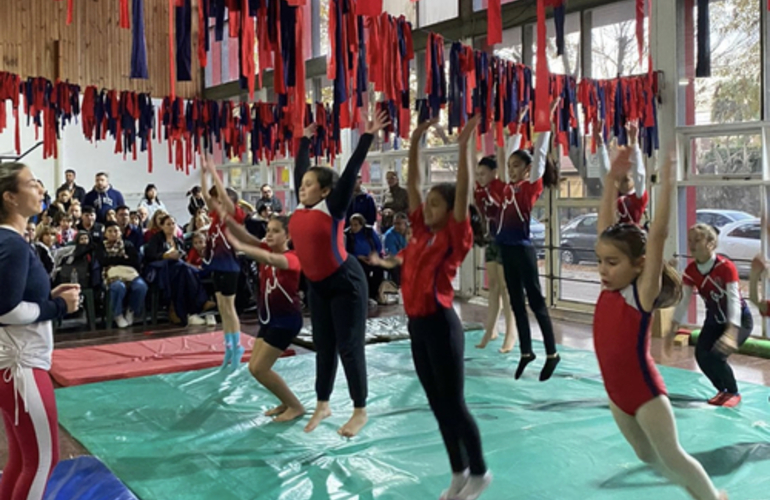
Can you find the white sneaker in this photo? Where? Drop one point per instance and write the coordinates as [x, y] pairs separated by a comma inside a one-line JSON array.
[[129, 317], [211, 320], [195, 320], [475, 487], [121, 321], [459, 480]]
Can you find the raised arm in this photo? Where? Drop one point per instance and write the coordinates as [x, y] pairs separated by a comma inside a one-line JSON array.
[[601, 150], [240, 232], [222, 198], [462, 189], [257, 253], [638, 172], [540, 157], [620, 168], [758, 267], [514, 142], [302, 162], [414, 177], [205, 186], [650, 280], [339, 199]]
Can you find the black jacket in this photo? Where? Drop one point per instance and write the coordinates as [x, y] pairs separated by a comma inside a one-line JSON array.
[[131, 260], [157, 246], [77, 192]]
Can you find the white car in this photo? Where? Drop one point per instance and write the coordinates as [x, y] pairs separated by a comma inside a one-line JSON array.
[[740, 241], [719, 218]]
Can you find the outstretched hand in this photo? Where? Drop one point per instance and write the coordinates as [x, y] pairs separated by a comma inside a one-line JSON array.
[[310, 130], [234, 242], [632, 130], [621, 165], [523, 113], [208, 164], [469, 129], [598, 129], [758, 265], [423, 127], [381, 120]]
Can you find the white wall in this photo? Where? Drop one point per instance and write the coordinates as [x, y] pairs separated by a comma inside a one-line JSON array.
[[128, 176]]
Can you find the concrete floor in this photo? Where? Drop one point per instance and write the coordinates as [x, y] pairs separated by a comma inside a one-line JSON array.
[[571, 334]]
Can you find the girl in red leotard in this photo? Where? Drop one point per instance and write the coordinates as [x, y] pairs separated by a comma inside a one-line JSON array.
[[635, 282]]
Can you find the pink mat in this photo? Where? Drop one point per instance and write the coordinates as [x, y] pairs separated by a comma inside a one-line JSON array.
[[85, 365]]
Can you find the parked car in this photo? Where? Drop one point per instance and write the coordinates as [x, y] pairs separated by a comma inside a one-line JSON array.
[[537, 235], [740, 241], [720, 218], [578, 239]]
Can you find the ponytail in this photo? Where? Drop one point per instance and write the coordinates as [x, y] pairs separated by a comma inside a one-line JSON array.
[[670, 288]]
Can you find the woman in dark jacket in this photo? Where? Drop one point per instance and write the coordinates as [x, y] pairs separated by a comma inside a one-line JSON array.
[[120, 271], [179, 281], [361, 241]]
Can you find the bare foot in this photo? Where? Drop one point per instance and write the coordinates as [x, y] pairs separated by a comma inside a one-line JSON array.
[[290, 414], [482, 344], [275, 411], [508, 344], [355, 424], [723, 495], [321, 413], [493, 337]]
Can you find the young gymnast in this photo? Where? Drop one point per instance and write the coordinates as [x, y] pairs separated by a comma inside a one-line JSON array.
[[337, 286], [280, 308], [728, 319], [635, 282], [632, 195], [221, 260], [527, 177], [442, 238]]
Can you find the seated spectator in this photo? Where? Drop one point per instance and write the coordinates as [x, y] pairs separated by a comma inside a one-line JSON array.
[[88, 224], [134, 218], [361, 242], [45, 239], [76, 211], [130, 232], [268, 200], [363, 204], [29, 236], [198, 250], [386, 220], [111, 216], [144, 217], [200, 222], [120, 272], [151, 201], [178, 280], [66, 232], [395, 241], [196, 201], [61, 205], [256, 223], [154, 226]]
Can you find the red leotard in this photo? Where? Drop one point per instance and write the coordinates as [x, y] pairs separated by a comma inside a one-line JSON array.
[[630, 208], [622, 344]]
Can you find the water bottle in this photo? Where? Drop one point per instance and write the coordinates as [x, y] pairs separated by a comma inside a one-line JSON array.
[[74, 277]]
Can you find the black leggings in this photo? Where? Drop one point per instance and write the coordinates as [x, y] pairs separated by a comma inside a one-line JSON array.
[[520, 268], [374, 277], [713, 364], [438, 345], [338, 307]]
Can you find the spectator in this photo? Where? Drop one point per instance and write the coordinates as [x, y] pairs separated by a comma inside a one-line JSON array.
[[134, 219], [88, 224], [66, 232], [186, 293], [395, 241], [198, 250], [129, 231], [61, 205], [29, 236], [201, 222], [76, 192], [386, 220], [361, 241], [76, 211], [45, 238], [363, 203], [120, 271], [276, 207], [256, 224], [103, 197], [396, 197], [151, 201], [196, 201], [154, 226], [144, 217], [111, 216]]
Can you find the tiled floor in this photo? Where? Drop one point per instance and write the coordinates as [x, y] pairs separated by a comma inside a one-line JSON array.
[[571, 334]]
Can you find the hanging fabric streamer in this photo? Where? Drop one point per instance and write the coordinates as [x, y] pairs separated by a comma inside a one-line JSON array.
[[640, 28], [184, 41], [171, 59], [125, 16], [138, 43], [703, 67], [204, 42], [494, 23], [248, 38], [370, 8], [559, 18], [435, 85], [542, 97]]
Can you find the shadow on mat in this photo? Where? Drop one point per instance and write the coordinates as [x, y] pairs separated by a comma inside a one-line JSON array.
[[677, 401], [721, 461]]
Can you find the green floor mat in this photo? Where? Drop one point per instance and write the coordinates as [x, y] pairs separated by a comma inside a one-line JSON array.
[[200, 435]]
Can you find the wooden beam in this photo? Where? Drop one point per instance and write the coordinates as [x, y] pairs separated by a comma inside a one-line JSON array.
[[466, 26]]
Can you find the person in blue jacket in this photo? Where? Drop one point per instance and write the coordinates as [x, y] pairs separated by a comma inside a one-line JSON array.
[[103, 197]]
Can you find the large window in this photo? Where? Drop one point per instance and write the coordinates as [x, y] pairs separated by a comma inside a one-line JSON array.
[[733, 92], [569, 62], [511, 48], [614, 48], [738, 155], [435, 11]]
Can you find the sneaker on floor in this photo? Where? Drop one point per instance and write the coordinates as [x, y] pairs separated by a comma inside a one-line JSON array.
[[373, 303], [211, 320], [459, 480], [129, 317], [121, 321], [475, 487], [195, 320], [717, 400], [731, 400]]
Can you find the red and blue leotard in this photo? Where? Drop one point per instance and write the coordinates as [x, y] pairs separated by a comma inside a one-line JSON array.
[[622, 344]]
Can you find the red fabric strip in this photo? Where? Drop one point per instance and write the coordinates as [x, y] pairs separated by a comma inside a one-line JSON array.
[[125, 15], [494, 23], [171, 42], [640, 28], [370, 8], [542, 95], [202, 27], [247, 48]]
